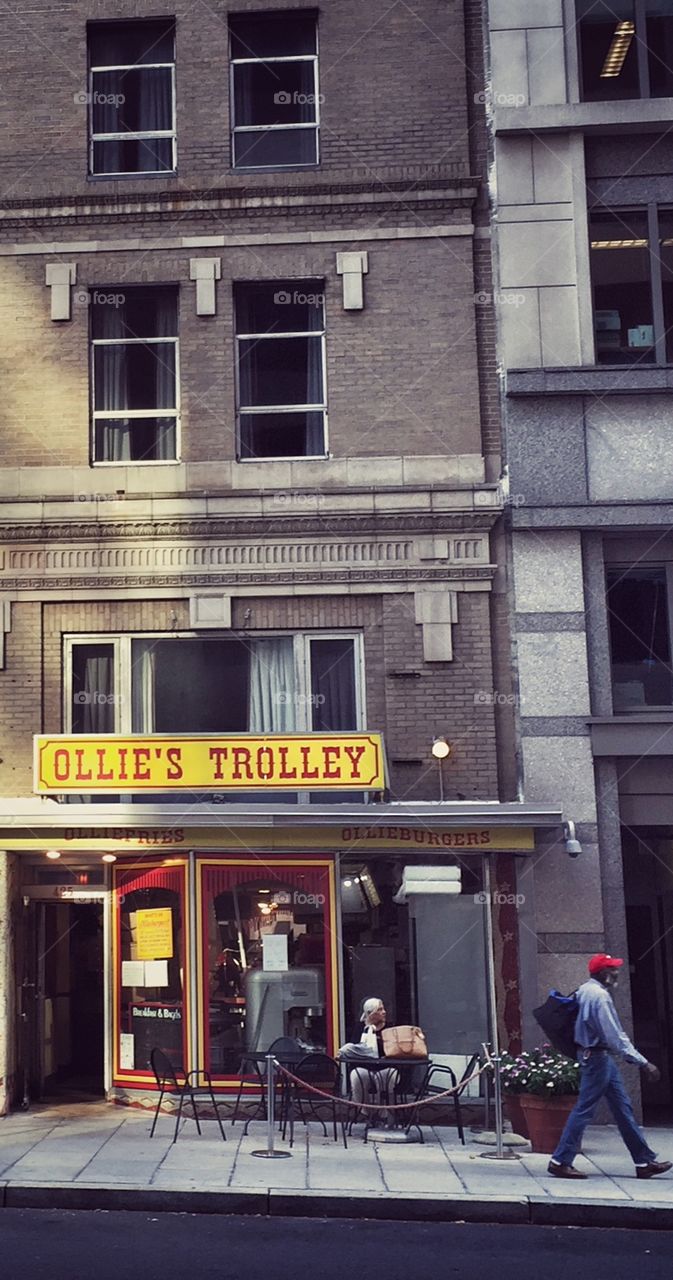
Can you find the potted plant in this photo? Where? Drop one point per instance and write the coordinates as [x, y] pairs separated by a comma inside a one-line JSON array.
[[545, 1085]]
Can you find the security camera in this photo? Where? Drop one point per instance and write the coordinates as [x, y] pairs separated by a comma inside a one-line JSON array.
[[573, 846]]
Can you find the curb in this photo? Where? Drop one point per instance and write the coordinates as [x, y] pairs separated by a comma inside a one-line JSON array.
[[536, 1211]]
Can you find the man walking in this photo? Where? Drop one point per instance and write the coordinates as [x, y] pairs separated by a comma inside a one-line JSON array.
[[599, 1034]]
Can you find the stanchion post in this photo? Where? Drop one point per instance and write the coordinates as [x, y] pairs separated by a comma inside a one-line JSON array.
[[270, 1104], [270, 1153], [499, 1153]]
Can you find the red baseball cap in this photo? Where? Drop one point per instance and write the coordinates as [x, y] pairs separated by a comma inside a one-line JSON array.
[[602, 961]]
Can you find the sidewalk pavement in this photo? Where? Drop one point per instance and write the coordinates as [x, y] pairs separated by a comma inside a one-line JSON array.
[[96, 1155]]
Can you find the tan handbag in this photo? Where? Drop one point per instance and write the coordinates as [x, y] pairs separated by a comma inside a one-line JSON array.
[[404, 1042]]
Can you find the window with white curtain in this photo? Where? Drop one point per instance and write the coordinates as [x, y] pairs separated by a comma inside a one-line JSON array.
[[280, 348], [274, 89], [134, 334], [217, 684], [132, 97]]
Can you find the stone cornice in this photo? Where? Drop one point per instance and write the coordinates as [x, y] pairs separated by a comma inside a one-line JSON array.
[[257, 527]]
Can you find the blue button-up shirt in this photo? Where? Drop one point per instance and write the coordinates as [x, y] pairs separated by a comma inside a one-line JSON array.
[[598, 1024]]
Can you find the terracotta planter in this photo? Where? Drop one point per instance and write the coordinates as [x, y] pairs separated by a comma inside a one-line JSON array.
[[515, 1114], [546, 1119]]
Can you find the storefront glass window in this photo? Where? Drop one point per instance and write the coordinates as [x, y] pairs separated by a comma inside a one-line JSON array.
[[267, 957], [424, 958], [149, 971]]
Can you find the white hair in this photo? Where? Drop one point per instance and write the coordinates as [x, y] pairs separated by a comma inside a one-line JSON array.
[[369, 1007]]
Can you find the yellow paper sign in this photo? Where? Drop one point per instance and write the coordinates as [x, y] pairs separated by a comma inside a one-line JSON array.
[[286, 762], [154, 934]]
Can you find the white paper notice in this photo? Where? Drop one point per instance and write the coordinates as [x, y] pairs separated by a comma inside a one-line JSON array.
[[274, 952], [156, 973], [133, 973], [126, 1053]]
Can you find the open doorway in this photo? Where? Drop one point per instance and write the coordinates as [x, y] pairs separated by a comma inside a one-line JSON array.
[[65, 1018]]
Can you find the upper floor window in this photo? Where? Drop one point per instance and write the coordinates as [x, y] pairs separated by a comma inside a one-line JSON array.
[[632, 278], [280, 339], [132, 97], [221, 684], [626, 48], [134, 335], [639, 620], [274, 89]]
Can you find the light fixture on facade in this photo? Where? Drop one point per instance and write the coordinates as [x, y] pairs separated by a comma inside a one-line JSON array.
[[109, 857], [441, 751], [53, 854], [619, 47]]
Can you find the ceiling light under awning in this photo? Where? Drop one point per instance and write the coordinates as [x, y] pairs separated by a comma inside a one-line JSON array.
[[619, 47]]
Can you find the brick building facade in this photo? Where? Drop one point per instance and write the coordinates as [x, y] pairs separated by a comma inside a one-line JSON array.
[[155, 492]]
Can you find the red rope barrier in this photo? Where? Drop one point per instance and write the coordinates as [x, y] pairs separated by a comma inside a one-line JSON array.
[[384, 1106]]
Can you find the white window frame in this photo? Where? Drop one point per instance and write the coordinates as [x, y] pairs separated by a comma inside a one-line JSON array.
[[141, 134], [123, 662], [283, 408], [119, 705], [270, 128], [101, 415]]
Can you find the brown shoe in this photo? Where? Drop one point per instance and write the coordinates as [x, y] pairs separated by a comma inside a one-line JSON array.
[[566, 1171], [653, 1168]]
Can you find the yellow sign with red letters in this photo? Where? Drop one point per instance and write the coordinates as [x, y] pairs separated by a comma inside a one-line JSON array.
[[111, 763]]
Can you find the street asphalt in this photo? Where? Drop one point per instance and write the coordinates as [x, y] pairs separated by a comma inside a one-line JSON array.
[[54, 1244]]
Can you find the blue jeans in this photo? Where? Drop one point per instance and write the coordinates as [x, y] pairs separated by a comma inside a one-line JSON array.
[[600, 1078]]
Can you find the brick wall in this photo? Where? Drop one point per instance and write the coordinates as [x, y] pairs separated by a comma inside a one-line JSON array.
[[401, 374], [442, 698], [391, 77]]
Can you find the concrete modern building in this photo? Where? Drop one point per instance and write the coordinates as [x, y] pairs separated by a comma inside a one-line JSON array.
[[580, 97]]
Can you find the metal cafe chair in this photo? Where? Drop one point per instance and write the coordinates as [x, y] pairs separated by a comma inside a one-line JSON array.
[[321, 1072], [285, 1047], [437, 1080], [168, 1081]]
